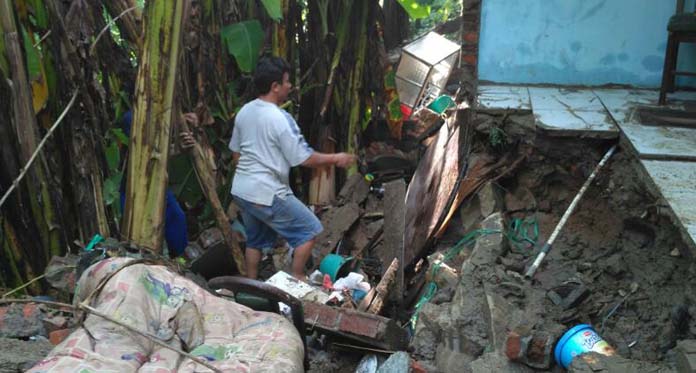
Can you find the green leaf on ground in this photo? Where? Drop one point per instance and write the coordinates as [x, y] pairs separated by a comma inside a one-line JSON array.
[[243, 41], [414, 9], [274, 9]]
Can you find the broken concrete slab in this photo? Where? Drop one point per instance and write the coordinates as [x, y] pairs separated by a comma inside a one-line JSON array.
[[594, 124], [394, 226], [662, 143], [675, 181], [564, 99], [337, 221], [398, 362], [490, 246], [373, 330], [504, 97], [621, 103], [355, 190]]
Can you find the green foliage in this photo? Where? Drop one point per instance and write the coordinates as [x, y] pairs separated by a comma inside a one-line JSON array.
[[274, 9], [4, 67], [497, 137], [111, 188], [244, 41], [440, 11], [32, 56], [415, 9], [38, 10]]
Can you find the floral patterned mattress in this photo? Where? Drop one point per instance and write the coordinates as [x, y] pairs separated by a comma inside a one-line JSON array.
[[151, 298]]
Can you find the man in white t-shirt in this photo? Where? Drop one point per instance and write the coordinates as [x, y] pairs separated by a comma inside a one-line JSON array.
[[266, 142]]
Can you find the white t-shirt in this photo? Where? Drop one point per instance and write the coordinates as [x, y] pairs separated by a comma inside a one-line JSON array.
[[270, 143]]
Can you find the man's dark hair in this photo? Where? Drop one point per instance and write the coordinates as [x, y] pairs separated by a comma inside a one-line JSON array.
[[269, 70]]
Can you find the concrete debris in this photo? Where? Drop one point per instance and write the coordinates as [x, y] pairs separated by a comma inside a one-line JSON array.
[[597, 363], [336, 221], [18, 356], [368, 364], [494, 362], [686, 356], [21, 321], [354, 190], [398, 362]]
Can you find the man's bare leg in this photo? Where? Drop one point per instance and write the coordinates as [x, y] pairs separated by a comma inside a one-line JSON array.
[[300, 258], [253, 258]]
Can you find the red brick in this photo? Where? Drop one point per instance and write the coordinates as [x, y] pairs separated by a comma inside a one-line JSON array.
[[417, 368], [513, 346], [58, 336], [321, 315], [360, 325], [470, 59], [29, 310], [471, 37]]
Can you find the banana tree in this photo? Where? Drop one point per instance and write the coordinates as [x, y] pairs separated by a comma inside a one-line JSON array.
[[143, 219]]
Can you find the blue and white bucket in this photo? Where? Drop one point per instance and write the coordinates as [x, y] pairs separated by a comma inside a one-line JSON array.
[[578, 340]]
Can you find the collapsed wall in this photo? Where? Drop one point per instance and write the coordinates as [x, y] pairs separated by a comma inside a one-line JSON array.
[[619, 264]]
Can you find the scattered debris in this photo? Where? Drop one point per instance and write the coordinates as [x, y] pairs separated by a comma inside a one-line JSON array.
[[372, 330]]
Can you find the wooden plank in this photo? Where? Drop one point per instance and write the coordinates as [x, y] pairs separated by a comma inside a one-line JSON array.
[[394, 225], [374, 300], [432, 184]]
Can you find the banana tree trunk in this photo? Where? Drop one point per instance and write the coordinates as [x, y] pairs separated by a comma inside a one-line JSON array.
[[143, 219], [40, 199], [356, 86], [208, 184]]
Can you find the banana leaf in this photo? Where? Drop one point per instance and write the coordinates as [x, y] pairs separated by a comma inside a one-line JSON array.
[[243, 41], [414, 9]]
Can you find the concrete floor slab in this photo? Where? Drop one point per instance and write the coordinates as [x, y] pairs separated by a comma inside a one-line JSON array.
[[564, 99], [676, 182], [577, 123], [504, 97], [622, 102], [651, 142]]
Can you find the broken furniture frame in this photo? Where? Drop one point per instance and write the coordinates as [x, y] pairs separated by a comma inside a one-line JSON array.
[[682, 29], [274, 295], [424, 69]]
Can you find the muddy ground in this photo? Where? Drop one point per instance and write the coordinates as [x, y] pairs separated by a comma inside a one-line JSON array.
[[620, 245], [618, 240]]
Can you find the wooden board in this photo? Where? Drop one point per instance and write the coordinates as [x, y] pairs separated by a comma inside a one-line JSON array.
[[430, 188]]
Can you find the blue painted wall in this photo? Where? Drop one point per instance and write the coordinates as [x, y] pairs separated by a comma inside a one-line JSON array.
[[586, 42]]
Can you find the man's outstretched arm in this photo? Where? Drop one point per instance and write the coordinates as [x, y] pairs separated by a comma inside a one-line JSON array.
[[318, 159]]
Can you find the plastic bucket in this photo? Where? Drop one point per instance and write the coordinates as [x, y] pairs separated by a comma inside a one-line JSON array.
[[332, 265], [578, 340], [440, 104]]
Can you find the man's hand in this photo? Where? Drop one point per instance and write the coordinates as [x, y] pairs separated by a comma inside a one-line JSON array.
[[187, 140], [344, 160]]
